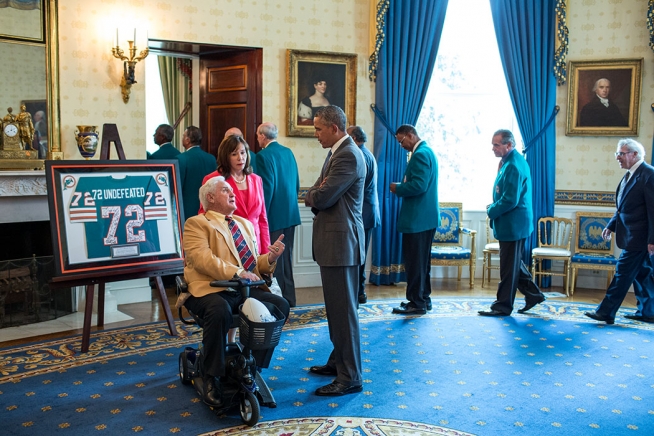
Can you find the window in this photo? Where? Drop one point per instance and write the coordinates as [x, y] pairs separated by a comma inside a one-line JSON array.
[[154, 102], [467, 101]]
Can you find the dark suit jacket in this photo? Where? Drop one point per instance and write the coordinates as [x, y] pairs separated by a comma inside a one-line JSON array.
[[166, 151], [371, 217], [337, 195], [596, 114], [419, 191], [277, 168], [633, 222], [194, 164], [511, 215]]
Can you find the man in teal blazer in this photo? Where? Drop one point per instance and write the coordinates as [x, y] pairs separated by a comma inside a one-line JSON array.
[[162, 137], [194, 165], [511, 218], [419, 218], [277, 168]]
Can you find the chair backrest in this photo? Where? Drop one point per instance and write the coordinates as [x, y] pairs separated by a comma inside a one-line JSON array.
[[490, 237], [589, 233], [448, 232], [555, 232]]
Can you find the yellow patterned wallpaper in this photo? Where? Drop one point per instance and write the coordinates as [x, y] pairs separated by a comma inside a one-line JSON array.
[[21, 67], [602, 30], [90, 76]]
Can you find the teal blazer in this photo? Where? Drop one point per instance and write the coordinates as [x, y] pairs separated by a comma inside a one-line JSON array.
[[194, 164], [511, 215], [166, 151], [278, 170], [419, 192]]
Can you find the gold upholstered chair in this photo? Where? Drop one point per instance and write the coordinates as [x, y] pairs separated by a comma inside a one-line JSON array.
[[554, 238], [447, 248], [492, 248], [591, 250]]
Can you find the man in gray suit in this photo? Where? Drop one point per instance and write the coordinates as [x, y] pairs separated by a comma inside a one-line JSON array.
[[371, 218], [337, 201]]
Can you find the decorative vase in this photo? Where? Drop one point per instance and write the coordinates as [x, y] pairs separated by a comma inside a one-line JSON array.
[[87, 140]]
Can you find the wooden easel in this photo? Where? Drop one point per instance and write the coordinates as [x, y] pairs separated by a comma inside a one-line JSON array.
[[109, 135]]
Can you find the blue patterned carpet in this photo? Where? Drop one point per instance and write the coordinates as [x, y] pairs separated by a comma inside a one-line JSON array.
[[451, 372]]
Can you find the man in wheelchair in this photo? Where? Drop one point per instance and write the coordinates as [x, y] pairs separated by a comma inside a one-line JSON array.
[[221, 246]]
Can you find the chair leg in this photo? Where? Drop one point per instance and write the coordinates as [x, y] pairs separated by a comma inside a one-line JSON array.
[[573, 282], [483, 272], [458, 277], [472, 275]]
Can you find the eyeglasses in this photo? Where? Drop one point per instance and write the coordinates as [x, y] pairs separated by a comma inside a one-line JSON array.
[[403, 138], [622, 153]]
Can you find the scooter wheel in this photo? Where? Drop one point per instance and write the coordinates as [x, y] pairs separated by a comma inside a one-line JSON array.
[[184, 375], [250, 411]]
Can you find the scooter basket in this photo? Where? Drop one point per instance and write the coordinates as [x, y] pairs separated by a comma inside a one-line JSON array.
[[260, 335]]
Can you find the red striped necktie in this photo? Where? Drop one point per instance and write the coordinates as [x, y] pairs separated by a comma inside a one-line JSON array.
[[247, 259]]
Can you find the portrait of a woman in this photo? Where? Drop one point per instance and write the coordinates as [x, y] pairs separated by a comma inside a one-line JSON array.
[[309, 105]]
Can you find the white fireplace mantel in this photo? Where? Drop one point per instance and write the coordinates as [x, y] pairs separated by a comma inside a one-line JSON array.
[[23, 196]]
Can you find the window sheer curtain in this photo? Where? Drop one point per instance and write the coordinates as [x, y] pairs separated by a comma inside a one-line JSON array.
[[176, 93], [525, 33], [406, 61]]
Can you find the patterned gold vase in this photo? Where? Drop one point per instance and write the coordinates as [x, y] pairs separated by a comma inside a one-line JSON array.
[[87, 140]]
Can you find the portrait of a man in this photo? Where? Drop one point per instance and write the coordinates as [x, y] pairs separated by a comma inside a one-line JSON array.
[[604, 97]]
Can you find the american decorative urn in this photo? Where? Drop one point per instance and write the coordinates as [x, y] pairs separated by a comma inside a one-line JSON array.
[[87, 140]]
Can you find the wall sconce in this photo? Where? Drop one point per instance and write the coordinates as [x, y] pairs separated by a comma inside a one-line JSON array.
[[129, 64]]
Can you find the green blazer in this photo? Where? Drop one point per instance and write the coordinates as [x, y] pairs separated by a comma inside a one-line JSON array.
[[511, 215], [419, 192], [166, 151], [278, 170], [194, 164]]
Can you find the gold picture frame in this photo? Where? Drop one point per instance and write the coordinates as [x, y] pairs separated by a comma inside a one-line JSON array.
[[588, 115], [23, 20], [304, 70]]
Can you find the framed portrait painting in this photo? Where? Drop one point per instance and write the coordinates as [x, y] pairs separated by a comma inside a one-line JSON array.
[[23, 20], [316, 79], [604, 98]]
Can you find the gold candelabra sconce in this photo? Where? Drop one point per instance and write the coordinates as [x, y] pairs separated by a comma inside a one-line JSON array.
[[129, 64]]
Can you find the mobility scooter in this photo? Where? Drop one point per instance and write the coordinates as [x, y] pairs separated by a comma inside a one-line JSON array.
[[242, 384]]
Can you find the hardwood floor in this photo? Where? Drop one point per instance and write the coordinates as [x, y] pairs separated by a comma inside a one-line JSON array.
[[152, 311]]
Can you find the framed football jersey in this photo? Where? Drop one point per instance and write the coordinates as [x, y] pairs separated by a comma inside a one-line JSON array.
[[115, 218]]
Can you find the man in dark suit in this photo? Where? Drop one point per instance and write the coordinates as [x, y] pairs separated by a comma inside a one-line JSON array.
[[419, 218], [337, 200], [194, 164], [511, 218], [633, 224], [600, 111], [162, 137], [371, 217], [277, 168]]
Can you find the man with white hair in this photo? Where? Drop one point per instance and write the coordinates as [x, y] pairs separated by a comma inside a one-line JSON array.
[[633, 225], [219, 245]]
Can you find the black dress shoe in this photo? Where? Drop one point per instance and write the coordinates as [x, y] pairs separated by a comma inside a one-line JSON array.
[[640, 318], [427, 304], [492, 312], [212, 396], [529, 306], [335, 389], [596, 317], [409, 309], [323, 370], [363, 298]]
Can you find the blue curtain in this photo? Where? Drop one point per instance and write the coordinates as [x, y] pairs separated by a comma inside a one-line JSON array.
[[406, 61], [525, 33]]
